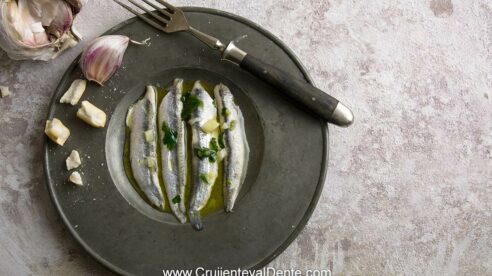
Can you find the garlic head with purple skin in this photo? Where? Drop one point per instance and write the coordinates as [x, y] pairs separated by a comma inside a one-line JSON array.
[[37, 29], [103, 57]]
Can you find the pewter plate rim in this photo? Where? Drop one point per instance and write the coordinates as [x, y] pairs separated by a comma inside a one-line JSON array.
[[325, 133]]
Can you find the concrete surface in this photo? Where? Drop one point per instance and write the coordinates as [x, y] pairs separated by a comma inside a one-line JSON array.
[[409, 188]]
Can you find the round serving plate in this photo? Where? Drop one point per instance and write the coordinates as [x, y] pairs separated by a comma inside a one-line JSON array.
[[287, 165]]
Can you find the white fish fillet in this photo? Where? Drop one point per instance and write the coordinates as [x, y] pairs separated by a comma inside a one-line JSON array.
[[233, 137], [173, 156], [141, 119], [205, 170]]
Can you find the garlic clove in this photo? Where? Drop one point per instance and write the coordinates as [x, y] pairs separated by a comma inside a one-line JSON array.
[[76, 179], [75, 92], [103, 57], [57, 131], [149, 135], [73, 160], [5, 91], [92, 115], [210, 126]]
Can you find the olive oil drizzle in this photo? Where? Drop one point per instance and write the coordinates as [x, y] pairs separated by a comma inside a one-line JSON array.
[[216, 201]]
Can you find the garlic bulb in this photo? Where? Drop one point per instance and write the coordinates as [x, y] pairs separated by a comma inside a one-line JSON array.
[[37, 29], [103, 57], [77, 4]]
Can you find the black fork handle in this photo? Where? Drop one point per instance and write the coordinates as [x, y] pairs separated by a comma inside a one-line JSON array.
[[310, 97]]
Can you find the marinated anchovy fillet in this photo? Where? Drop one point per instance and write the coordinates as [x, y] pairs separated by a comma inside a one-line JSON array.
[[173, 149], [233, 139], [204, 144], [141, 119]]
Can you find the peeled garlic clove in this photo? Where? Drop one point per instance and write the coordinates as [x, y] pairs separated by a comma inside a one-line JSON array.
[[57, 131], [221, 155], [5, 91], [92, 115], [103, 57], [73, 94], [149, 135], [151, 162], [73, 160], [210, 126], [76, 179]]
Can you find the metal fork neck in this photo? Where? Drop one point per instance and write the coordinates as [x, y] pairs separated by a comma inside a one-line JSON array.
[[211, 41]]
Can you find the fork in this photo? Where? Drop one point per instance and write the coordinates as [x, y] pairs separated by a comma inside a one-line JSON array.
[[170, 19]]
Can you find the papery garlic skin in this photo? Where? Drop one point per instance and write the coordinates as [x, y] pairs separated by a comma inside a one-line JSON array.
[[77, 4], [62, 21], [37, 29], [103, 57]]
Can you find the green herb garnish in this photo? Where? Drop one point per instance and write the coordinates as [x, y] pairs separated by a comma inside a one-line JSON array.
[[190, 104], [204, 178], [232, 125], [170, 136], [176, 199], [214, 145], [203, 153], [222, 140], [225, 112], [210, 153]]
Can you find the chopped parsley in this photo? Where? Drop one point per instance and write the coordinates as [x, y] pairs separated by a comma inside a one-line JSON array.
[[225, 112], [204, 178], [176, 199], [203, 153], [190, 104], [214, 145], [210, 153], [221, 140], [170, 136], [232, 125]]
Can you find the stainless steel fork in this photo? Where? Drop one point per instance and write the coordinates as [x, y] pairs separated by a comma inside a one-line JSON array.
[[170, 19]]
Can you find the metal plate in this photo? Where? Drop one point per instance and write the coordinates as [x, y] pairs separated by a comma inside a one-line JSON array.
[[289, 150]]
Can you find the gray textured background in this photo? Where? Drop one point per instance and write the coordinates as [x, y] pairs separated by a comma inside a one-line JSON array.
[[409, 187]]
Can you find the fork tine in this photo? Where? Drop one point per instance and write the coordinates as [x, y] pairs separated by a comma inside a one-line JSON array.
[[163, 20], [159, 9], [150, 22], [167, 5]]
